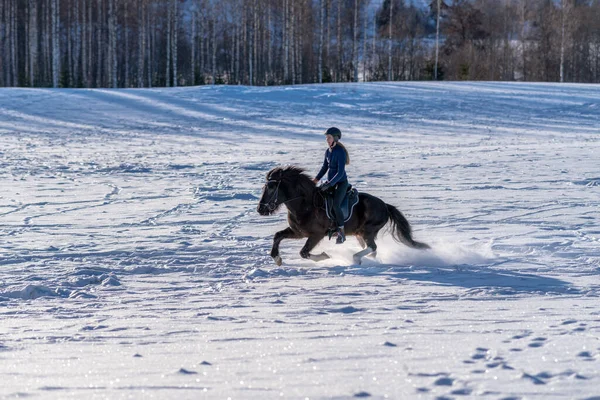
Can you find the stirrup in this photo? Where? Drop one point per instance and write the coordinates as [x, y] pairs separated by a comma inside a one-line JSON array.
[[341, 236], [331, 232]]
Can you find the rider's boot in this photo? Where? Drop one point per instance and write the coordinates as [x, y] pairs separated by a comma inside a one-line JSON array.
[[341, 235]]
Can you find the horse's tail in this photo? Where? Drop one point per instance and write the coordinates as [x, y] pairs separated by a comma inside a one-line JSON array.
[[401, 231]]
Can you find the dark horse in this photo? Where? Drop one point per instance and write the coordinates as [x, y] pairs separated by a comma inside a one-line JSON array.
[[307, 217]]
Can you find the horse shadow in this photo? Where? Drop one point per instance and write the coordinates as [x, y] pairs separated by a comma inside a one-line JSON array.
[[473, 277]]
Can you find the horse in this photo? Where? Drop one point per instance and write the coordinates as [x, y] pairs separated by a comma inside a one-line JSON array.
[[307, 217]]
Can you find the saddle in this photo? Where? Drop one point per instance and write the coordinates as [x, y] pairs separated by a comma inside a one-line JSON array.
[[348, 203]]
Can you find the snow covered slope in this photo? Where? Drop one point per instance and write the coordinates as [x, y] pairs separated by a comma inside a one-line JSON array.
[[133, 262]]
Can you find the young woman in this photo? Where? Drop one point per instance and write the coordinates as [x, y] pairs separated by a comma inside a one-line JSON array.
[[336, 159]]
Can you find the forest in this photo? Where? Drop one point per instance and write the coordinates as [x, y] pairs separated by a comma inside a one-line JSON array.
[[158, 43]]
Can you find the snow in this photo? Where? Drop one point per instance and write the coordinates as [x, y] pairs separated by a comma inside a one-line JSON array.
[[134, 264]]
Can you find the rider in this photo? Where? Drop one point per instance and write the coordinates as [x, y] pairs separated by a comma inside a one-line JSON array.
[[336, 159]]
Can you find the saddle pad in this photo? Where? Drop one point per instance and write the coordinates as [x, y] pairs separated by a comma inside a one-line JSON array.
[[350, 200]]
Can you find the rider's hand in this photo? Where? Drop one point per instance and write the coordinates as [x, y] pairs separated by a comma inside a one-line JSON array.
[[325, 187], [315, 181]]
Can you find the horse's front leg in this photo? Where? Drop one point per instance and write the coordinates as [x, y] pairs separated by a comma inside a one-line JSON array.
[[309, 245], [287, 233]]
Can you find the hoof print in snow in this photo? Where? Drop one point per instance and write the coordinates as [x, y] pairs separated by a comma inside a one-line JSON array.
[[137, 355], [569, 322], [390, 344], [93, 327], [537, 342], [462, 392], [481, 354], [219, 318], [444, 382], [522, 335], [362, 394], [184, 371], [580, 328], [205, 363], [345, 310], [493, 364], [535, 379]]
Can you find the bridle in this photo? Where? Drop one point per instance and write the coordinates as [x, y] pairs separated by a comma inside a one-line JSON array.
[[272, 203]]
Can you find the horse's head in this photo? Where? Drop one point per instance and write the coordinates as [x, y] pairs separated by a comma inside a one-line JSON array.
[[269, 201], [283, 185]]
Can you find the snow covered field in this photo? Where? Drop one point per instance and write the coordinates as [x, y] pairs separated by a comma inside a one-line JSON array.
[[133, 263]]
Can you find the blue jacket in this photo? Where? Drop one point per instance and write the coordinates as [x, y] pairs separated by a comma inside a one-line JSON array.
[[335, 162]]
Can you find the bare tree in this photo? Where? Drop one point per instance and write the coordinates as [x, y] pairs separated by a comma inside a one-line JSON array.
[[338, 75], [293, 41], [169, 37], [322, 18], [55, 44], [214, 49], [252, 43], [327, 36], [150, 23], [47, 41], [69, 27], [390, 41], [270, 46], [126, 39], [14, 44], [365, 28], [33, 41], [286, 42], [565, 11], [87, 48], [100, 44], [118, 43], [437, 40], [112, 49], [175, 41], [355, 42], [237, 47], [194, 40]]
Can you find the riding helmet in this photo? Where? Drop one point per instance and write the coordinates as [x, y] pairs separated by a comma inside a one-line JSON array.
[[335, 132]]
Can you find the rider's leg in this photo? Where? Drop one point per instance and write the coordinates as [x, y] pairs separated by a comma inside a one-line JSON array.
[[338, 197]]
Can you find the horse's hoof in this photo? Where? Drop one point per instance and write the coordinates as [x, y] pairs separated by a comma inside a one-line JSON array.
[[357, 260], [277, 260]]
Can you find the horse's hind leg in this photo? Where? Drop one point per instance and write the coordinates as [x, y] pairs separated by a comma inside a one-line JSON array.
[[370, 248], [287, 233], [309, 245], [361, 241]]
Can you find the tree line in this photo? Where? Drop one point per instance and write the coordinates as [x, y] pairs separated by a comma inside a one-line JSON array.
[[148, 43]]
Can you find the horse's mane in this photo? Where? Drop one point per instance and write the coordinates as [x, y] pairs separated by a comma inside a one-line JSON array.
[[293, 176]]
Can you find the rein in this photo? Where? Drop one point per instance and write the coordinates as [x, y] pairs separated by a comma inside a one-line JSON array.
[[272, 203]]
